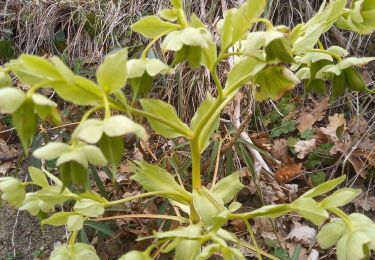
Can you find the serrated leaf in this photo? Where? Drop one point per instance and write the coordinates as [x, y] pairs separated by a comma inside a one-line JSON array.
[[330, 233], [309, 209], [38, 177], [324, 188], [112, 73], [153, 26], [153, 178], [273, 81], [51, 151], [25, 122], [164, 111], [227, 188], [340, 198]]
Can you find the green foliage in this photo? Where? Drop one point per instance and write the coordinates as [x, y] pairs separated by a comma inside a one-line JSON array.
[[272, 62]]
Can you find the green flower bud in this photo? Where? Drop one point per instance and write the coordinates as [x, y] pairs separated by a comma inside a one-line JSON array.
[[89, 208], [34, 205], [74, 252], [13, 191]]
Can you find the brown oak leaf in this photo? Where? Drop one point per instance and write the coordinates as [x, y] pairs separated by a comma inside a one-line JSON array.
[[303, 148]]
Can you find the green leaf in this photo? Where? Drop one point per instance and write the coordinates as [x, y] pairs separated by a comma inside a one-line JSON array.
[[120, 125], [340, 198], [353, 246], [324, 188], [209, 127], [72, 172], [103, 228], [177, 3], [25, 122], [94, 155], [279, 49], [230, 30], [330, 233], [135, 255], [167, 112], [188, 249], [5, 79], [242, 72], [75, 251], [38, 177], [193, 231], [153, 178], [269, 211], [309, 209], [305, 36], [359, 18], [169, 14], [155, 67], [227, 188], [75, 223], [136, 68], [112, 73], [338, 85], [354, 80], [318, 178], [273, 81], [51, 151], [11, 99], [58, 219], [153, 26], [113, 149], [208, 205], [89, 208], [46, 109], [89, 131]]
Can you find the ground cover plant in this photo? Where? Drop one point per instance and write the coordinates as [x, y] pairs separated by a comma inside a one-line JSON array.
[[270, 62]]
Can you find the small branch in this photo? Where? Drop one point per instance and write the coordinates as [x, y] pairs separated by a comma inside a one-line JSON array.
[[240, 129]]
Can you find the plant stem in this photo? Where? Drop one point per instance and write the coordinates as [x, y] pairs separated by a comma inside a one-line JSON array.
[[341, 214], [196, 164], [338, 58], [252, 237], [106, 106], [182, 18], [151, 43], [40, 85], [151, 216], [73, 238], [90, 111], [138, 196], [266, 22]]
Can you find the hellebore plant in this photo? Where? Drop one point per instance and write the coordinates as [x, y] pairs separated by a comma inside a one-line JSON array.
[[271, 62]]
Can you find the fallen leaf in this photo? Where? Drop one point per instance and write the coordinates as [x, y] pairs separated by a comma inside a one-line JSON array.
[[288, 172], [261, 141], [367, 203], [280, 150], [303, 148], [305, 122], [302, 234], [335, 121], [320, 109]]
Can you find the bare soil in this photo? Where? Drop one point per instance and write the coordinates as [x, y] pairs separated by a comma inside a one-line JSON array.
[[30, 240]]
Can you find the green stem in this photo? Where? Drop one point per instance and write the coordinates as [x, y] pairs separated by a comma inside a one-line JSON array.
[[253, 238], [151, 43], [196, 164], [138, 196], [266, 22], [90, 111], [341, 214], [73, 238], [338, 58], [106, 106], [40, 85], [182, 18]]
